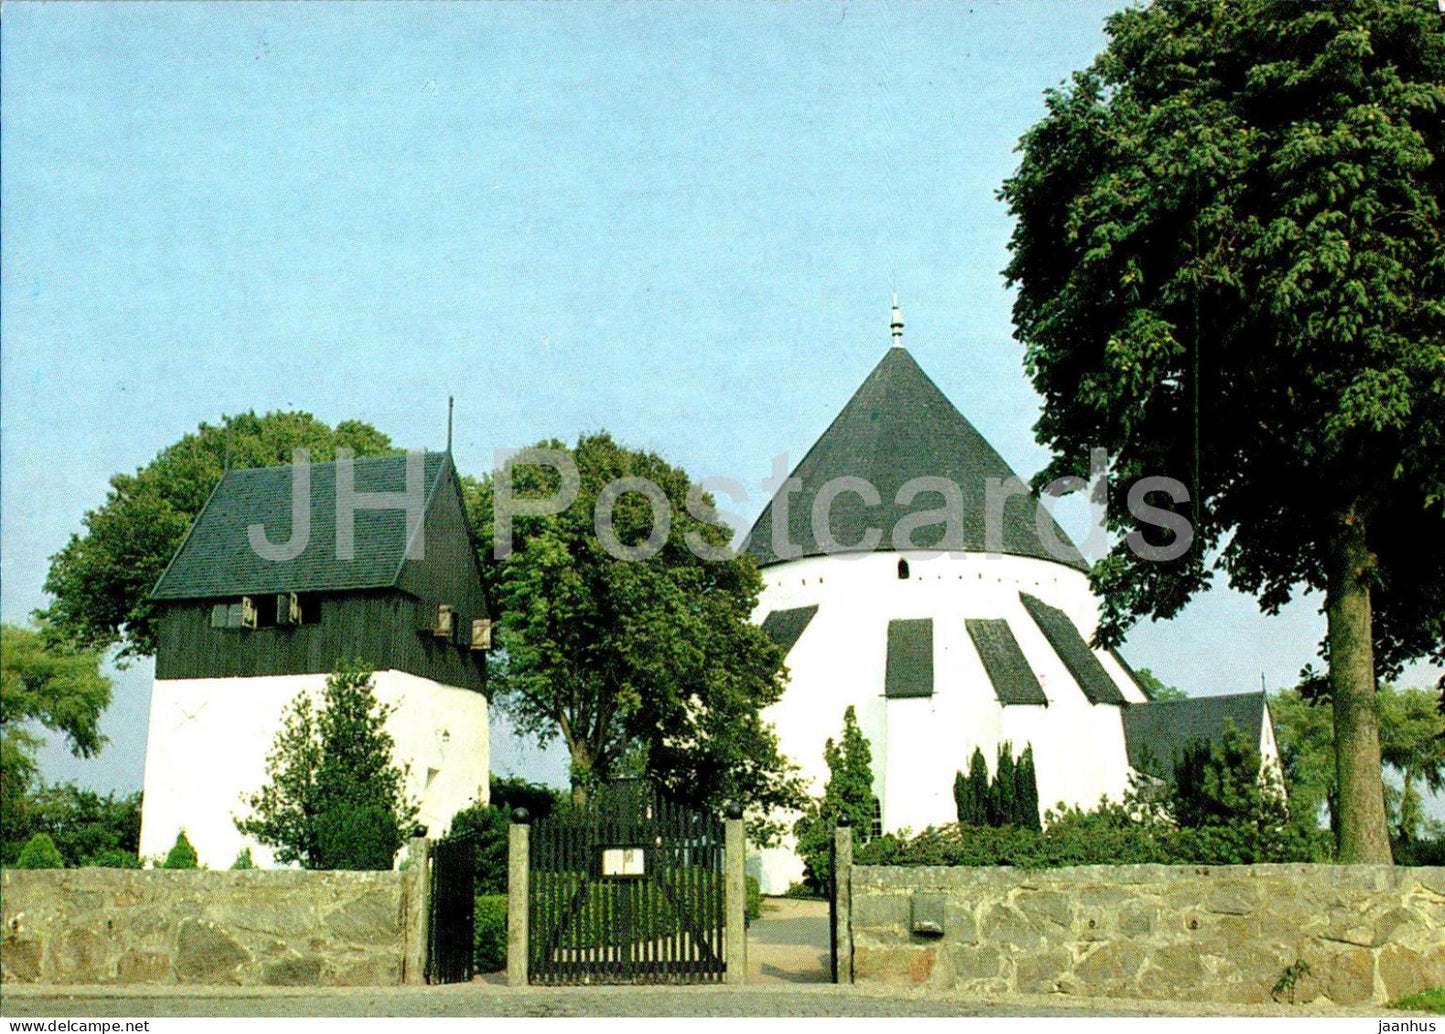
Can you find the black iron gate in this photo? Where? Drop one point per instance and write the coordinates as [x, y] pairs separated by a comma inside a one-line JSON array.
[[449, 942], [630, 890]]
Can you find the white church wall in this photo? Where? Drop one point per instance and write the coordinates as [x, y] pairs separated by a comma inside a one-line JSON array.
[[209, 739], [919, 744]]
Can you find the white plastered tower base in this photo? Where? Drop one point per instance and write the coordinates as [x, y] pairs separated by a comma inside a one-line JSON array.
[[209, 738]]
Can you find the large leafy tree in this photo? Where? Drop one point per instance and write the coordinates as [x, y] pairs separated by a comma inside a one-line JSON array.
[[101, 581], [1228, 254], [642, 666], [335, 797], [44, 683]]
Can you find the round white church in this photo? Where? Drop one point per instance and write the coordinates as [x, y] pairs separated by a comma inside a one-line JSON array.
[[946, 630]]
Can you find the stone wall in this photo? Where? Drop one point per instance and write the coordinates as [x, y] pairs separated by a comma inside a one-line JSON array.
[[1225, 934], [113, 926]]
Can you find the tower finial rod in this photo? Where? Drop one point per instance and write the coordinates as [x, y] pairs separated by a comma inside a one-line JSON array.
[[897, 325], [450, 400]]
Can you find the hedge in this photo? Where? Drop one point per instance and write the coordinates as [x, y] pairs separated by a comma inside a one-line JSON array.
[[489, 934]]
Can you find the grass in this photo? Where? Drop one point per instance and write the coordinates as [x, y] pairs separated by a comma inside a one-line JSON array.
[[1432, 1000]]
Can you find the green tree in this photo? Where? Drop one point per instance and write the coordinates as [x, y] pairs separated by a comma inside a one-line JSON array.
[[358, 837], [42, 682], [40, 852], [326, 764], [654, 660], [1228, 261], [1229, 810], [1003, 806], [1156, 689], [509, 792], [978, 784], [101, 581], [1412, 742], [114, 859], [182, 854], [848, 791], [487, 826], [88, 828], [1026, 797], [963, 800], [1412, 746], [1304, 731], [1009, 798]]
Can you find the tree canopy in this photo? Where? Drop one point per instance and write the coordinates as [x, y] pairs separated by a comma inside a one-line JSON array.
[[335, 797], [1411, 746], [103, 577], [643, 667], [88, 828], [1157, 689], [50, 684], [1229, 269]]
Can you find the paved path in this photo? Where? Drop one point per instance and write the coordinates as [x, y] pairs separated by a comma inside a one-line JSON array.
[[789, 943], [482, 998]]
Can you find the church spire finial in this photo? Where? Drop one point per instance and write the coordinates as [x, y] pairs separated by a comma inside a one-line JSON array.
[[897, 325]]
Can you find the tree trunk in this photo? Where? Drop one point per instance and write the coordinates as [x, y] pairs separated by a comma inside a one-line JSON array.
[[1364, 836], [581, 772]]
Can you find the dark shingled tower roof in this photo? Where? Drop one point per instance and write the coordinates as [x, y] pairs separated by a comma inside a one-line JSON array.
[[216, 558], [898, 426]]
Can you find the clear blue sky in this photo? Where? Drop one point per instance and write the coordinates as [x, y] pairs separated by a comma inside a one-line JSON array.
[[680, 222]]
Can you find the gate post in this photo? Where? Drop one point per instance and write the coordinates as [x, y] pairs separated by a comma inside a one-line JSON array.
[[518, 875], [736, 889], [416, 892], [843, 899]]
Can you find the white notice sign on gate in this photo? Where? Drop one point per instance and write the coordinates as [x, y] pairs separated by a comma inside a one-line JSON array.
[[623, 861]]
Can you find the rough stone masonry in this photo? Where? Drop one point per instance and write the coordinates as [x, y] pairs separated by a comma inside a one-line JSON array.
[[1349, 934], [113, 926]]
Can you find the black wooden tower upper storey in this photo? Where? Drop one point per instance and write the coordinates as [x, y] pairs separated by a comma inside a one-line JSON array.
[[228, 610]]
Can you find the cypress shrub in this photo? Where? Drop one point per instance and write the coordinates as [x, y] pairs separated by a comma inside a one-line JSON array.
[[1026, 795], [40, 852], [978, 790], [1002, 811], [962, 803], [182, 855]]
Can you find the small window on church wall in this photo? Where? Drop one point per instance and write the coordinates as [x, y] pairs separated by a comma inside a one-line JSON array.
[[903, 569], [875, 824]]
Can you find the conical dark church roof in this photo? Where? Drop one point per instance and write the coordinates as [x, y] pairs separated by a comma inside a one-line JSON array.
[[898, 426]]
